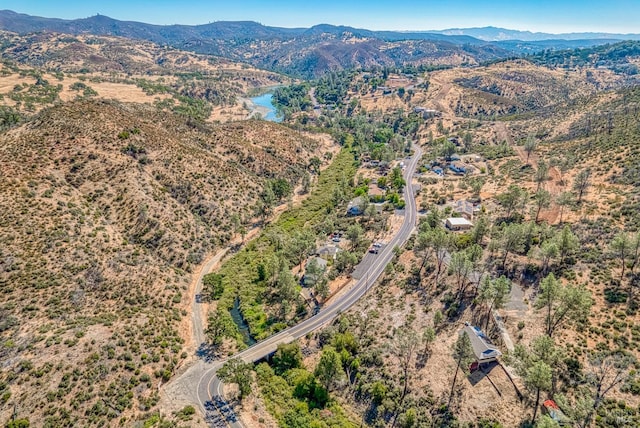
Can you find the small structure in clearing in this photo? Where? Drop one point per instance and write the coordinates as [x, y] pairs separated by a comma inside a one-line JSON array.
[[458, 223]]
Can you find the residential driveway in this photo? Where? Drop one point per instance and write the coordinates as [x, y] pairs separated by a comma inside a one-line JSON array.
[[516, 301]]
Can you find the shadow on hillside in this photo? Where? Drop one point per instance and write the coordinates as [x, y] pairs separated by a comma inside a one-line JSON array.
[[482, 371], [207, 352]]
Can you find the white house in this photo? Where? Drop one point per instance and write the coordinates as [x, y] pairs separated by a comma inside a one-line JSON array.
[[458, 223]]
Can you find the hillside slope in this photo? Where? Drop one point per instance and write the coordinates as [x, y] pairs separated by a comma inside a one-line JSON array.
[[104, 209], [300, 51], [42, 69]]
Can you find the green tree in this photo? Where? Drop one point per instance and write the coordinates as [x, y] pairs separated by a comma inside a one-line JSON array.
[[9, 117], [345, 260], [322, 288], [634, 255], [542, 174], [378, 392], [494, 294], [286, 289], [635, 252], [480, 229], [18, 423], [582, 183], [567, 243], [621, 247], [306, 184], [428, 337], [513, 199], [288, 356], [329, 368], [238, 372], [281, 188], [462, 353], [512, 240], [382, 182], [277, 237], [403, 346], [314, 164], [536, 365], [242, 230], [564, 164], [313, 272], [432, 220], [266, 202], [354, 235], [440, 242], [538, 378], [371, 211], [530, 146], [547, 252], [213, 286], [447, 150], [460, 267], [476, 184], [300, 245], [219, 325], [564, 199], [396, 179], [409, 419], [467, 140], [580, 408], [438, 318], [543, 350], [562, 303], [546, 422], [542, 199], [422, 249]]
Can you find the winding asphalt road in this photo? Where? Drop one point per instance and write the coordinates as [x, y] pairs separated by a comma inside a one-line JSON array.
[[209, 388]]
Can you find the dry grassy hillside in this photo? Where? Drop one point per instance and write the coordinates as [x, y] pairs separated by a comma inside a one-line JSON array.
[[42, 69], [66, 53], [104, 209]]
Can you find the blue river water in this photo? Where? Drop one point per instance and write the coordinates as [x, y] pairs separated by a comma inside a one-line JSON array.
[[265, 101]]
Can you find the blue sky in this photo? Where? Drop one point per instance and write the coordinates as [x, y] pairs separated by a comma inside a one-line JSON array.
[[620, 16]]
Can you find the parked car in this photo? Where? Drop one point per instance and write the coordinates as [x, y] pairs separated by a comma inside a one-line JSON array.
[[373, 250]]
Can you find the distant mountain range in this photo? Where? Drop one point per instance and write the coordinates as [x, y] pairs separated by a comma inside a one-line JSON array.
[[309, 52], [495, 34]]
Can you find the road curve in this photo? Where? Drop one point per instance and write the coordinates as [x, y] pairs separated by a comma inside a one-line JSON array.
[[209, 387]]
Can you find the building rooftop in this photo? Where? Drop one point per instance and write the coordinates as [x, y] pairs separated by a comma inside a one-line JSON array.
[[459, 221], [483, 349]]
